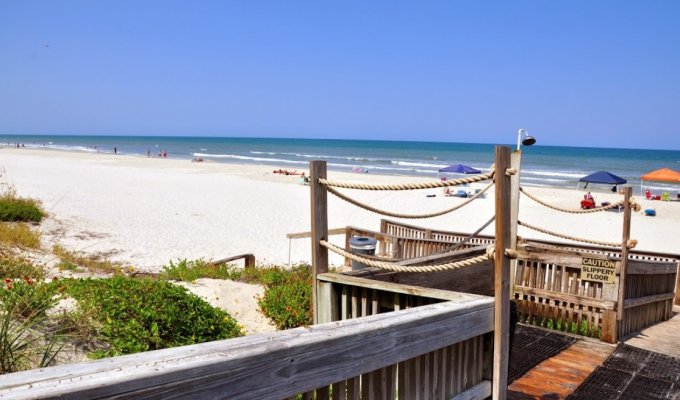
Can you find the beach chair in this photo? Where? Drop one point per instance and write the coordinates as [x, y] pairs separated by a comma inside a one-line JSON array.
[[587, 204], [665, 196]]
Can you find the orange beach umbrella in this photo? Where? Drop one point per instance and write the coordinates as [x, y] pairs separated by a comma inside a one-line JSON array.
[[666, 175], [662, 175]]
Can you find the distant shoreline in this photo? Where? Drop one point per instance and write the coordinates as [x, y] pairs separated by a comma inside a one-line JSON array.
[[542, 166]]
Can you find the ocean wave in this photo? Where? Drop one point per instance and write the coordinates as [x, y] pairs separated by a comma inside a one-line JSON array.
[[66, 148], [417, 164], [531, 178], [562, 174], [245, 158]]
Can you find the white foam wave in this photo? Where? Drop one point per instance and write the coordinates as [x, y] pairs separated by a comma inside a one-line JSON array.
[[572, 175], [245, 158], [415, 164], [65, 148]]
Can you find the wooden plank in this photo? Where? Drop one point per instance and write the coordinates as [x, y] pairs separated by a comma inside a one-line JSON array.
[[571, 298], [480, 391], [328, 302], [397, 288], [559, 376], [502, 274], [628, 192], [677, 287], [259, 366], [302, 235], [249, 260], [319, 224], [651, 268], [661, 337], [640, 301], [395, 226]]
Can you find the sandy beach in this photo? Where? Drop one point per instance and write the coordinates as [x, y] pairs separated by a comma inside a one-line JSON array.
[[145, 212]]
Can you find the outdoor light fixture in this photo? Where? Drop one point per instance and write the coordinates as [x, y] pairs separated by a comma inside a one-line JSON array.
[[528, 140]]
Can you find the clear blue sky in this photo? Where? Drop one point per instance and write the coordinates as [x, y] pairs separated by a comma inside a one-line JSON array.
[[590, 73]]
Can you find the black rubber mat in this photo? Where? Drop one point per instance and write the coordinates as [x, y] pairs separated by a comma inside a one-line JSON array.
[[661, 366], [647, 388], [631, 373], [532, 345]]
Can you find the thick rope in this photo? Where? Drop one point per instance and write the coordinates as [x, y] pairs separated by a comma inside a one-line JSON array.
[[408, 216], [408, 186], [401, 268], [630, 244], [632, 203]]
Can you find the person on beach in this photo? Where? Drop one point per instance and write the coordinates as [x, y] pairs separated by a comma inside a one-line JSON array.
[[115, 150], [148, 153]]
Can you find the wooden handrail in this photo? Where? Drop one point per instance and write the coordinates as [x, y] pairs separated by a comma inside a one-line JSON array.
[[266, 366], [249, 260]]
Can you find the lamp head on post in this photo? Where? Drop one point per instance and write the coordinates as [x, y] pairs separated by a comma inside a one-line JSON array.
[[528, 140]]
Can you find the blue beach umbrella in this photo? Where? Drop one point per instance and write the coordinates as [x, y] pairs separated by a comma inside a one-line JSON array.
[[602, 177], [460, 169]]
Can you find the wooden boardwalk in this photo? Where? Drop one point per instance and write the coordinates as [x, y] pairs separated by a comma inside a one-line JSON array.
[[662, 338], [559, 376]]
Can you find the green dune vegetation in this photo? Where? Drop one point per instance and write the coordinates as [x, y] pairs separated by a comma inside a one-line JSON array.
[[41, 317]]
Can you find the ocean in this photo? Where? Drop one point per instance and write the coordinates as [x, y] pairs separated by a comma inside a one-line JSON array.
[[549, 166]]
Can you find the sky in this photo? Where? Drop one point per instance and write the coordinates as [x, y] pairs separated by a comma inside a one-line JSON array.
[[583, 73]]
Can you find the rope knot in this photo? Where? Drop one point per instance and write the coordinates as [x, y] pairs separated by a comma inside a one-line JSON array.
[[631, 243], [510, 171], [490, 251], [511, 253], [634, 205]]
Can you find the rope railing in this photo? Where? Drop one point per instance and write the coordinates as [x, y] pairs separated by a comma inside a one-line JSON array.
[[409, 186], [389, 266], [408, 216], [630, 244], [633, 204]]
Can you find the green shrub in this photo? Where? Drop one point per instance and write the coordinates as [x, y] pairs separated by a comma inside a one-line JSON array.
[[189, 271], [71, 260], [14, 209], [19, 234], [144, 314], [27, 340], [13, 267], [287, 298]]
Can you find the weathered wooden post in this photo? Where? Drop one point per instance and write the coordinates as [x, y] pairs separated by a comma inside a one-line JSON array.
[[319, 224], [501, 341], [515, 163], [628, 191]]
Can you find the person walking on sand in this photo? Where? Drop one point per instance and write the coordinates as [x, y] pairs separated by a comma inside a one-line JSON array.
[[148, 153], [115, 150]]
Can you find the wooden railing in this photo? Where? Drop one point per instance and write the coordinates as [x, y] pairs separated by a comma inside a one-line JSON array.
[[649, 295], [443, 373], [411, 231], [550, 292], [400, 247], [437, 351], [248, 260]]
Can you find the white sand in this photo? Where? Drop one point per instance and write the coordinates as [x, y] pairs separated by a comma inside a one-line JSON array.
[[146, 212]]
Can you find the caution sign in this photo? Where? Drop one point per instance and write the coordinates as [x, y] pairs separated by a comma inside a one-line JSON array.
[[598, 269]]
